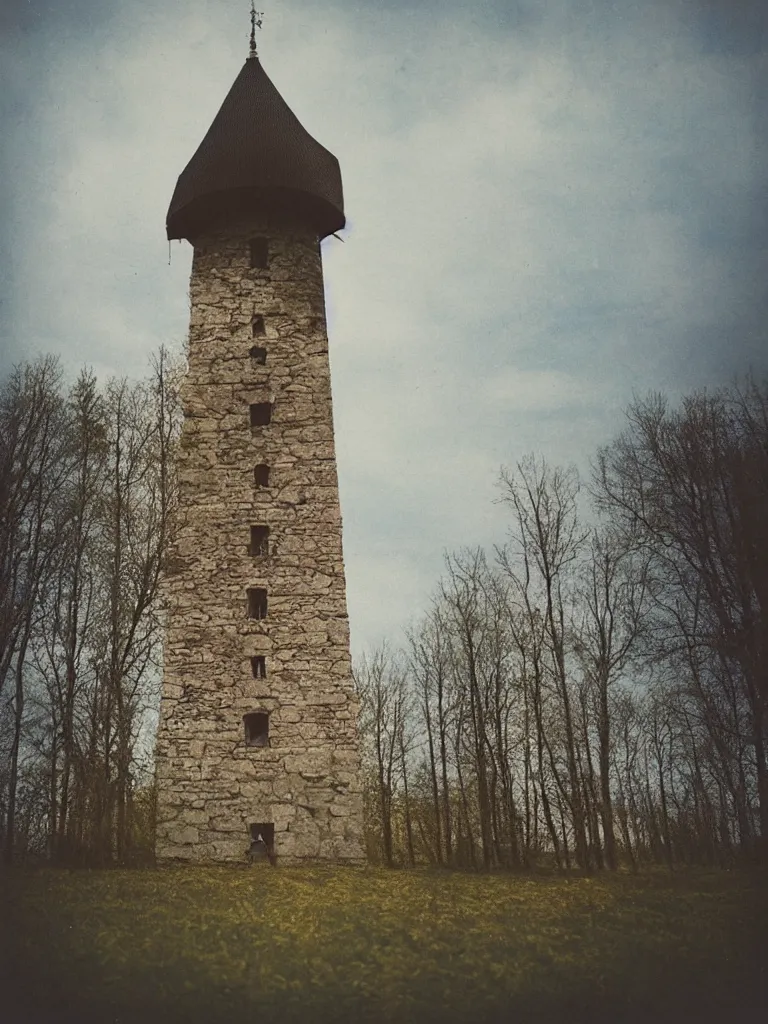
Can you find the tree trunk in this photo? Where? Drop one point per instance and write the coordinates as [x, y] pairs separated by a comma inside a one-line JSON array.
[[13, 779], [604, 756], [407, 808]]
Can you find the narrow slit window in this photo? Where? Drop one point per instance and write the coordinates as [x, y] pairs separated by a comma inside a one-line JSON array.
[[256, 729], [261, 475], [258, 355], [259, 541], [259, 666], [257, 603], [257, 326], [261, 414], [259, 252]]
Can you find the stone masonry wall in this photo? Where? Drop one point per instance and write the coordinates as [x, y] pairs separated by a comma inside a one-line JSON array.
[[212, 786]]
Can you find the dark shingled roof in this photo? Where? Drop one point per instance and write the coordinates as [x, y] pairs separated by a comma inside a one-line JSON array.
[[256, 154]]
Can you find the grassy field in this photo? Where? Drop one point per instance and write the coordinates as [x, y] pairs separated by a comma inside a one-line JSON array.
[[215, 944]]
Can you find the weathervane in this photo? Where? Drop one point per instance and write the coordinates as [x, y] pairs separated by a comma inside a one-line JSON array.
[[256, 17]]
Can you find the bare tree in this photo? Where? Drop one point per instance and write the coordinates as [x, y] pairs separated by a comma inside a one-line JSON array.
[[87, 489], [693, 485], [546, 541], [428, 666], [381, 687], [32, 467], [611, 600], [69, 604], [463, 593]]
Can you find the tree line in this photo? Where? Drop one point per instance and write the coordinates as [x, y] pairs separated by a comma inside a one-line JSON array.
[[593, 692], [87, 488]]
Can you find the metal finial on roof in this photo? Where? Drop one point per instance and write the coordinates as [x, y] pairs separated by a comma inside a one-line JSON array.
[[256, 22]]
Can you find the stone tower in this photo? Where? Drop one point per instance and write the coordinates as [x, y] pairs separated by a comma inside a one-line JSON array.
[[257, 750]]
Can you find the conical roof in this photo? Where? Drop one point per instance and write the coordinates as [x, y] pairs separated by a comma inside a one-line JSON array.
[[256, 154]]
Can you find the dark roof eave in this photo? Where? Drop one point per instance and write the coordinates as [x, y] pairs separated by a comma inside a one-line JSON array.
[[205, 211]]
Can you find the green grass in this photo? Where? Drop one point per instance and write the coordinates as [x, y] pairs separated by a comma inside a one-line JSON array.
[[217, 944]]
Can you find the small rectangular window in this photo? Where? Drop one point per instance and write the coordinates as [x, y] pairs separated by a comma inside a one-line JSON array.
[[259, 252], [257, 326], [259, 666], [256, 729], [261, 414], [259, 541], [262, 848], [257, 603], [258, 355], [261, 475]]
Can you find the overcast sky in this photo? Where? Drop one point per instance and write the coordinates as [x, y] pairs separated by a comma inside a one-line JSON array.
[[551, 205]]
